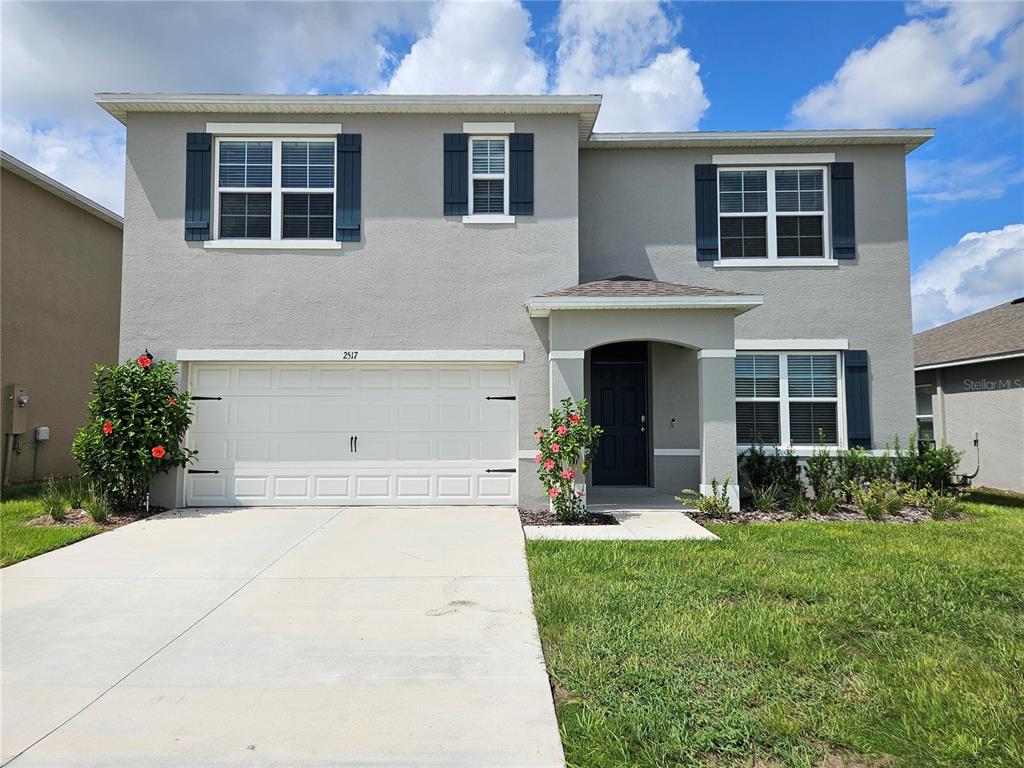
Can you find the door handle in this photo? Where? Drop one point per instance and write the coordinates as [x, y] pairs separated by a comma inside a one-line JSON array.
[[351, 444], [357, 443]]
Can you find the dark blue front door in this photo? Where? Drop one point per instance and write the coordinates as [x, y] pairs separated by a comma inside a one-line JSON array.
[[619, 397]]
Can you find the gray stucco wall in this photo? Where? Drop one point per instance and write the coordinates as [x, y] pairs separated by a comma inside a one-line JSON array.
[[987, 398], [637, 217], [61, 280], [418, 280]]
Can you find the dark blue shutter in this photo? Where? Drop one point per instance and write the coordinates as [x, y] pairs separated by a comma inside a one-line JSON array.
[[456, 174], [844, 240], [706, 200], [198, 185], [348, 181], [520, 182], [858, 398]]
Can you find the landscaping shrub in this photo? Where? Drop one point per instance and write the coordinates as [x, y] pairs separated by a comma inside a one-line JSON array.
[[822, 472], [857, 467], [764, 469], [715, 504], [54, 500], [876, 499], [566, 450], [766, 499], [826, 503], [801, 506], [137, 420]]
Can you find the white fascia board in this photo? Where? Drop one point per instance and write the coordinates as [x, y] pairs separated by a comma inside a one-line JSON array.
[[794, 345], [488, 128], [677, 451], [543, 306], [795, 158], [273, 129], [345, 355], [766, 263], [574, 354], [710, 353], [969, 361]]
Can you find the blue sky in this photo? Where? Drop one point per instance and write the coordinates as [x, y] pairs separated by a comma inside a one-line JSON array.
[[661, 66]]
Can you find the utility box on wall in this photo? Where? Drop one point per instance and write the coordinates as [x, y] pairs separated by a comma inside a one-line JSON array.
[[16, 401]]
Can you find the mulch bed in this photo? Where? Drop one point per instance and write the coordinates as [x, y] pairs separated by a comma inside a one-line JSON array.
[[842, 514], [77, 517], [547, 517]]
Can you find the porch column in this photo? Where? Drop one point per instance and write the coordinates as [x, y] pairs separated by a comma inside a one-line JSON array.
[[717, 407]]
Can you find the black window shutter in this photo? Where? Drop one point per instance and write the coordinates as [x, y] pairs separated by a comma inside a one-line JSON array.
[[198, 185], [456, 174], [858, 398], [520, 182], [706, 201], [347, 187], [844, 241]]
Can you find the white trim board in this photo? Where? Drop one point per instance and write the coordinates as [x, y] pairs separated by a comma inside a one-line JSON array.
[[542, 306], [761, 263], [345, 355], [725, 353], [792, 345], [488, 127], [527, 455], [677, 451], [566, 355], [780, 158], [274, 129], [969, 361]]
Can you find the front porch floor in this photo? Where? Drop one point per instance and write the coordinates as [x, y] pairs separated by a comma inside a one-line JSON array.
[[642, 515]]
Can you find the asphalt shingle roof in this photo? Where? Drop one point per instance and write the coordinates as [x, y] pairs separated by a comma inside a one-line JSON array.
[[627, 286], [996, 331]]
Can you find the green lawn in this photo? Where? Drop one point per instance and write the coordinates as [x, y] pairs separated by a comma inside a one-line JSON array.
[[19, 541], [791, 644]]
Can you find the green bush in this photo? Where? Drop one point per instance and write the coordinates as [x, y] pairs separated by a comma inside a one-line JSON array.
[[715, 504], [822, 472], [801, 506], [876, 499], [54, 500], [765, 469], [766, 499], [137, 420]]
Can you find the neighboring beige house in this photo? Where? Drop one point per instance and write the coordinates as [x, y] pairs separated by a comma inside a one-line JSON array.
[[60, 304], [970, 392]]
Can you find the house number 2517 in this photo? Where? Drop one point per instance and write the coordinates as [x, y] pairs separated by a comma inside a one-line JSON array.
[[351, 355]]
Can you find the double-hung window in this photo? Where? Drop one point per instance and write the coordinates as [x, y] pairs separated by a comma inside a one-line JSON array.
[[772, 213], [488, 175], [788, 399], [275, 189]]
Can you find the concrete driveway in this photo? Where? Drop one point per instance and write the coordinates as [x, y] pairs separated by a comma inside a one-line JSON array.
[[292, 637]]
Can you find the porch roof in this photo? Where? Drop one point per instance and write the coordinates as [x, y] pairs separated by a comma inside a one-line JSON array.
[[628, 292]]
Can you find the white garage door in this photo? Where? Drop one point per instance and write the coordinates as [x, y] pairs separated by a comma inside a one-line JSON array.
[[353, 433]]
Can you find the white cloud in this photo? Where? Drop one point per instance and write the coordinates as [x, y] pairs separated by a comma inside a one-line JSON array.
[[472, 48], [950, 181], [624, 51], [982, 270], [950, 60]]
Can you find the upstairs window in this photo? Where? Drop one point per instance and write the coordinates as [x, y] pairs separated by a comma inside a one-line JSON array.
[[488, 175], [275, 189], [772, 213], [787, 399]]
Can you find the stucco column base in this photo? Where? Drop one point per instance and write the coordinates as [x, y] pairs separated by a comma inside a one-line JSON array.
[[717, 405]]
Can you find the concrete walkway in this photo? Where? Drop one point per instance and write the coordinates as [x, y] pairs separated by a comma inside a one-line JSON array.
[[279, 637]]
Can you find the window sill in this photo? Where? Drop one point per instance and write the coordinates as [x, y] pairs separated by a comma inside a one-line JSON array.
[[489, 218], [276, 245], [741, 263]]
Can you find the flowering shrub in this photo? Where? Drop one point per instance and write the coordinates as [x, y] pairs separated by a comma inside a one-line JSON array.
[[566, 448], [137, 420]]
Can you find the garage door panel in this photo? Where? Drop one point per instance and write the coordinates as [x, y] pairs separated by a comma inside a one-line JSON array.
[[281, 434]]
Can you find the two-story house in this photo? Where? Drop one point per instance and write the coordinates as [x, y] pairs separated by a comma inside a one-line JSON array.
[[377, 299]]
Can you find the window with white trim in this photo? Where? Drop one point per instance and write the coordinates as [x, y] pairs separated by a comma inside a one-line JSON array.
[[789, 399], [925, 414], [275, 189], [488, 175], [772, 213]]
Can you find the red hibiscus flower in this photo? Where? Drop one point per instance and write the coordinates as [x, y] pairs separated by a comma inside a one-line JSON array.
[[549, 464], [562, 429], [536, 459], [574, 419], [107, 427], [172, 400], [539, 434], [568, 474], [553, 492], [144, 360], [554, 448], [158, 451]]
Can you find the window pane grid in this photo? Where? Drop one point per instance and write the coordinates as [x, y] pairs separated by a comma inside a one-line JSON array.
[[308, 216], [245, 215], [307, 164], [487, 175], [245, 164]]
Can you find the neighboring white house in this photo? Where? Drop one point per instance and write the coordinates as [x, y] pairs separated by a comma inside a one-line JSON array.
[[378, 298]]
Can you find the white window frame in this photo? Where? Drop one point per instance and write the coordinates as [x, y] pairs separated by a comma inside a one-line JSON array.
[[489, 218], [772, 214], [277, 192], [784, 400]]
